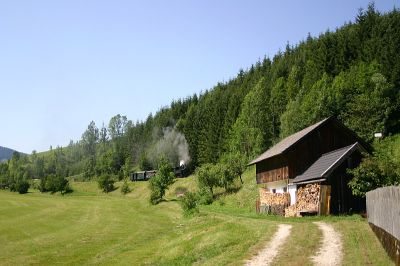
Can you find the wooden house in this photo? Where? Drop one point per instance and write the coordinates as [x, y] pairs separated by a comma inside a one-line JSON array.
[[321, 154]]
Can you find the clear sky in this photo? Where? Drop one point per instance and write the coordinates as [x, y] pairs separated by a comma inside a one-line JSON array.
[[65, 63]]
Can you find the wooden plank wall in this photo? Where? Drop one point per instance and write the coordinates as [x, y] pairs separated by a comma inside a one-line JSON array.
[[278, 174], [383, 209]]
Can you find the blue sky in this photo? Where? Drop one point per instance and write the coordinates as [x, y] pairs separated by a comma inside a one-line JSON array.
[[65, 63]]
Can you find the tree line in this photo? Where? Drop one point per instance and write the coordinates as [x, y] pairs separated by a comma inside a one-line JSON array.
[[352, 73]]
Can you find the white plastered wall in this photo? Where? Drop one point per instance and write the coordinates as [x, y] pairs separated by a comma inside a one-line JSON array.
[[292, 188], [279, 188]]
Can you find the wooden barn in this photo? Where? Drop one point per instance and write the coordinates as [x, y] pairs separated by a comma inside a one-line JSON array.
[[315, 158]]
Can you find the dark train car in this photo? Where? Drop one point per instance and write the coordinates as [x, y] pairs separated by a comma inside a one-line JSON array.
[[142, 175]]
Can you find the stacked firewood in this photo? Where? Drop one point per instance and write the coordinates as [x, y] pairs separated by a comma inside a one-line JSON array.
[[274, 203], [308, 197], [291, 211], [307, 200]]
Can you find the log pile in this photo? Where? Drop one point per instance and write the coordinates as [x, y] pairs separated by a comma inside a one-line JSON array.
[[291, 211], [307, 200], [273, 203]]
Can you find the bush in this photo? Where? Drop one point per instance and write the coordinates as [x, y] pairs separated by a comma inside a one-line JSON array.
[[210, 176], [22, 186], [53, 184], [156, 196], [205, 197], [63, 185], [224, 175], [189, 204], [4, 182], [125, 189], [161, 181], [206, 177], [380, 169], [42, 184], [19, 183], [106, 183], [236, 162]]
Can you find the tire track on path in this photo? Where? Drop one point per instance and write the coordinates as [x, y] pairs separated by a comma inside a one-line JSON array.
[[271, 250], [330, 252]]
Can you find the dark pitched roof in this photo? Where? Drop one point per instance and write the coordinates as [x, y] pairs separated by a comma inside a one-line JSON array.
[[328, 162], [287, 142]]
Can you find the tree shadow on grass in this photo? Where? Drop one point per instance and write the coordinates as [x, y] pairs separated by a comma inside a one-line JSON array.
[[171, 200], [228, 191], [109, 191]]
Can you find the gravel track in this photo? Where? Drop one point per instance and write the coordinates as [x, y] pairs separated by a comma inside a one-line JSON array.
[[271, 250], [330, 252]]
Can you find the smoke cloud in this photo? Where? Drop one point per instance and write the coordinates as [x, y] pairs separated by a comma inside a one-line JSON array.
[[173, 145]]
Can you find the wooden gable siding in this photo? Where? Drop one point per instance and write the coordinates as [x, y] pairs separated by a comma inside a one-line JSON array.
[[274, 169]]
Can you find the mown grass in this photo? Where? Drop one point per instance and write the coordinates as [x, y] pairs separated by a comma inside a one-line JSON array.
[[90, 227]]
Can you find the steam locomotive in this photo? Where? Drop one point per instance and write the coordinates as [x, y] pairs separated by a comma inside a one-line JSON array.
[[179, 171]]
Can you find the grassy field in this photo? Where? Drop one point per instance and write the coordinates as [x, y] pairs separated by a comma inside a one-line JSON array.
[[89, 227]]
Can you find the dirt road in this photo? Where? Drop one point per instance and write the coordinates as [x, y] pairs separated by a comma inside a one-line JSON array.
[[330, 252], [267, 255]]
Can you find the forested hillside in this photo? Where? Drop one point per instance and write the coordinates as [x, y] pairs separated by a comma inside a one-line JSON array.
[[5, 153], [352, 73]]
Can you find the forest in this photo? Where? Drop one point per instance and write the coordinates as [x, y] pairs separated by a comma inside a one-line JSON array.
[[352, 73], [5, 153]]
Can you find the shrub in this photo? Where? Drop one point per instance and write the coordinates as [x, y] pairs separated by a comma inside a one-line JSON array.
[[224, 175], [42, 184], [161, 181], [155, 196], [54, 184], [19, 183], [189, 204], [4, 182], [106, 183], [22, 186], [62, 185], [205, 197], [237, 163], [380, 169], [371, 174], [206, 177], [125, 189], [210, 176]]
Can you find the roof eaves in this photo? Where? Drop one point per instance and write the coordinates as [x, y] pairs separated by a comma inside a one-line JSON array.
[[353, 147], [309, 181], [256, 161]]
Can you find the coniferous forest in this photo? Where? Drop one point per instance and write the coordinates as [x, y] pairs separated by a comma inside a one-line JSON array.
[[352, 73]]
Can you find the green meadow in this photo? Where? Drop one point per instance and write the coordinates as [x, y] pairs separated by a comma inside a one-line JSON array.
[[89, 227]]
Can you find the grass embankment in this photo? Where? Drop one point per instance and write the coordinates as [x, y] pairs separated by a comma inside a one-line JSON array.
[[89, 227]]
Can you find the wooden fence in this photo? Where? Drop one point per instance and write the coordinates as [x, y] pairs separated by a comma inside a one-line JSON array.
[[383, 209]]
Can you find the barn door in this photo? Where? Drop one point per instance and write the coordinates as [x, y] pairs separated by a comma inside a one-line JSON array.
[[324, 200]]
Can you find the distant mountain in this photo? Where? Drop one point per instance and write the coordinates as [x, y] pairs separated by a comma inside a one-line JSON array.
[[5, 153]]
